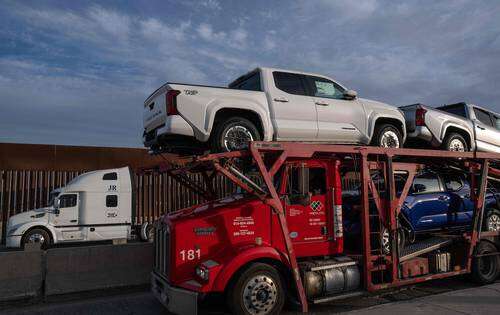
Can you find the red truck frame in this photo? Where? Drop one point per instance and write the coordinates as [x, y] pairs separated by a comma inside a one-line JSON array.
[[380, 271]]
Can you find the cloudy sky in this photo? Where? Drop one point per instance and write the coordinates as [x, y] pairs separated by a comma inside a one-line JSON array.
[[77, 72]]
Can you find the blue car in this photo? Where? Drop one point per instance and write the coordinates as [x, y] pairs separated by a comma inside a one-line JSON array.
[[436, 202]]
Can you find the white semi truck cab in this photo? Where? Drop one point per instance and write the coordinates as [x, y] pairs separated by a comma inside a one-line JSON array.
[[94, 206]]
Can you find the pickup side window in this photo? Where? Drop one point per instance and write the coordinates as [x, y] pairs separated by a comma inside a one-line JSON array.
[[426, 183], [67, 201], [496, 121], [321, 87], [453, 182], [289, 82], [250, 83], [483, 116]]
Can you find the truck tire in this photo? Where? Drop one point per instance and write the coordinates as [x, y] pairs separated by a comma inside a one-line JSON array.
[[485, 269], [455, 142], [37, 235], [387, 136], [258, 290], [492, 221], [234, 134]]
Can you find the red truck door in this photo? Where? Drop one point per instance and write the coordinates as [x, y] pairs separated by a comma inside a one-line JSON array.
[[308, 206]]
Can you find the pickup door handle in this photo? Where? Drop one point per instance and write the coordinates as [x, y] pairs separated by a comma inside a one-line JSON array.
[[280, 99], [72, 221], [321, 103], [444, 198], [480, 127]]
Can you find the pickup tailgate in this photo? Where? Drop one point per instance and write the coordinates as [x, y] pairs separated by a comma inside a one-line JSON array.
[[154, 112], [409, 112]]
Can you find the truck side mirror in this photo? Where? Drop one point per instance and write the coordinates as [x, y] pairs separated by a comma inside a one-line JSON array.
[[56, 204], [350, 94]]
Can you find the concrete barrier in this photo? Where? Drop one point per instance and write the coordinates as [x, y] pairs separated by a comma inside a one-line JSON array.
[[89, 268], [21, 274]]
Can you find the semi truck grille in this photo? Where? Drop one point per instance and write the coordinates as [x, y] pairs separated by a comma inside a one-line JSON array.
[[162, 250]]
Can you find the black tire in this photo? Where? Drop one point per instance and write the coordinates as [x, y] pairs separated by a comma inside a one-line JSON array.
[[271, 292], [222, 127], [492, 220], [453, 137], [37, 233], [485, 269], [380, 130]]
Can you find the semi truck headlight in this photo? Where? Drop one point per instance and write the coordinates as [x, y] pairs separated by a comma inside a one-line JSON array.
[[202, 272]]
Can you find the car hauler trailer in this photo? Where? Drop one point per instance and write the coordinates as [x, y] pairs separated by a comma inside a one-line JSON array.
[[284, 236]]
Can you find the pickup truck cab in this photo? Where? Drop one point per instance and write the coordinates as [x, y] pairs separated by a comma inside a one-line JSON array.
[[454, 127], [267, 104], [94, 206]]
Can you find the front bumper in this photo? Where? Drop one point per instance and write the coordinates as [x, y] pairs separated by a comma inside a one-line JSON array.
[[13, 241], [176, 300]]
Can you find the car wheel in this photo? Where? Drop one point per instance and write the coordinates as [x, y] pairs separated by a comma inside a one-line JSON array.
[[234, 134], [258, 290], [485, 269], [385, 241], [387, 136], [37, 236], [492, 222], [455, 142]]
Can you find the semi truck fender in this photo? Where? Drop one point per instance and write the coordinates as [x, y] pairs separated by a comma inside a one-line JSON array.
[[242, 259], [247, 105], [30, 225]]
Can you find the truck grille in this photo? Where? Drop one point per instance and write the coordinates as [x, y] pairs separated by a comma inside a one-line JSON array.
[[162, 249]]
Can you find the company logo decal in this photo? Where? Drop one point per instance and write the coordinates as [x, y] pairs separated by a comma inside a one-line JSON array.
[[316, 205]]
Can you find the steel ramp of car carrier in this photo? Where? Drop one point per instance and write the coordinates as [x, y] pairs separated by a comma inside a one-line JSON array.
[[423, 247]]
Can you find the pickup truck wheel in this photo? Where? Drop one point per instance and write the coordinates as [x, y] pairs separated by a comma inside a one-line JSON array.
[[387, 136], [35, 236], [258, 290], [455, 142], [485, 269], [492, 222], [234, 134]]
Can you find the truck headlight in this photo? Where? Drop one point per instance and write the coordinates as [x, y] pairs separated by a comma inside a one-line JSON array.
[[11, 231], [202, 272]]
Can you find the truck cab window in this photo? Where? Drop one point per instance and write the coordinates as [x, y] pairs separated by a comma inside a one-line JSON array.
[[317, 181], [322, 87], [250, 83], [110, 176], [289, 83], [425, 183], [483, 116], [111, 201], [67, 201]]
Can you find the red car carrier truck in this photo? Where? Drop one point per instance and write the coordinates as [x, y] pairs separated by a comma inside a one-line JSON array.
[[280, 236]]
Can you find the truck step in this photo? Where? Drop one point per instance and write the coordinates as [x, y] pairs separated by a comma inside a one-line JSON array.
[[423, 247], [329, 298]]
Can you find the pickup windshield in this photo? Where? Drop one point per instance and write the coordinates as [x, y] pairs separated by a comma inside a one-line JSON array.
[[456, 109]]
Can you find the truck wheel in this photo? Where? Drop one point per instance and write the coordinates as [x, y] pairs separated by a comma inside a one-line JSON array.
[[37, 236], [387, 136], [485, 269], [234, 134], [455, 142], [258, 290], [492, 222]]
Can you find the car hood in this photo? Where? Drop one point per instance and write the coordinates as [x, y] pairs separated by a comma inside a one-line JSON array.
[[379, 105]]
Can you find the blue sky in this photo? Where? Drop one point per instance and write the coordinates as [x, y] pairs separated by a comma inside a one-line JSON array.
[[77, 72]]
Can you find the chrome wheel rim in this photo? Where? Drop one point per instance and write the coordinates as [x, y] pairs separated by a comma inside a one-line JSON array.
[[260, 295], [456, 145], [385, 241], [494, 223], [389, 139], [36, 238], [237, 138]]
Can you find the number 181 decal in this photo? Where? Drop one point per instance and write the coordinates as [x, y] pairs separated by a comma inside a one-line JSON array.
[[190, 254]]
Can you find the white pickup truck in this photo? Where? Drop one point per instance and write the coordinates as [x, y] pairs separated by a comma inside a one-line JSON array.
[[271, 105], [454, 127], [95, 206]]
